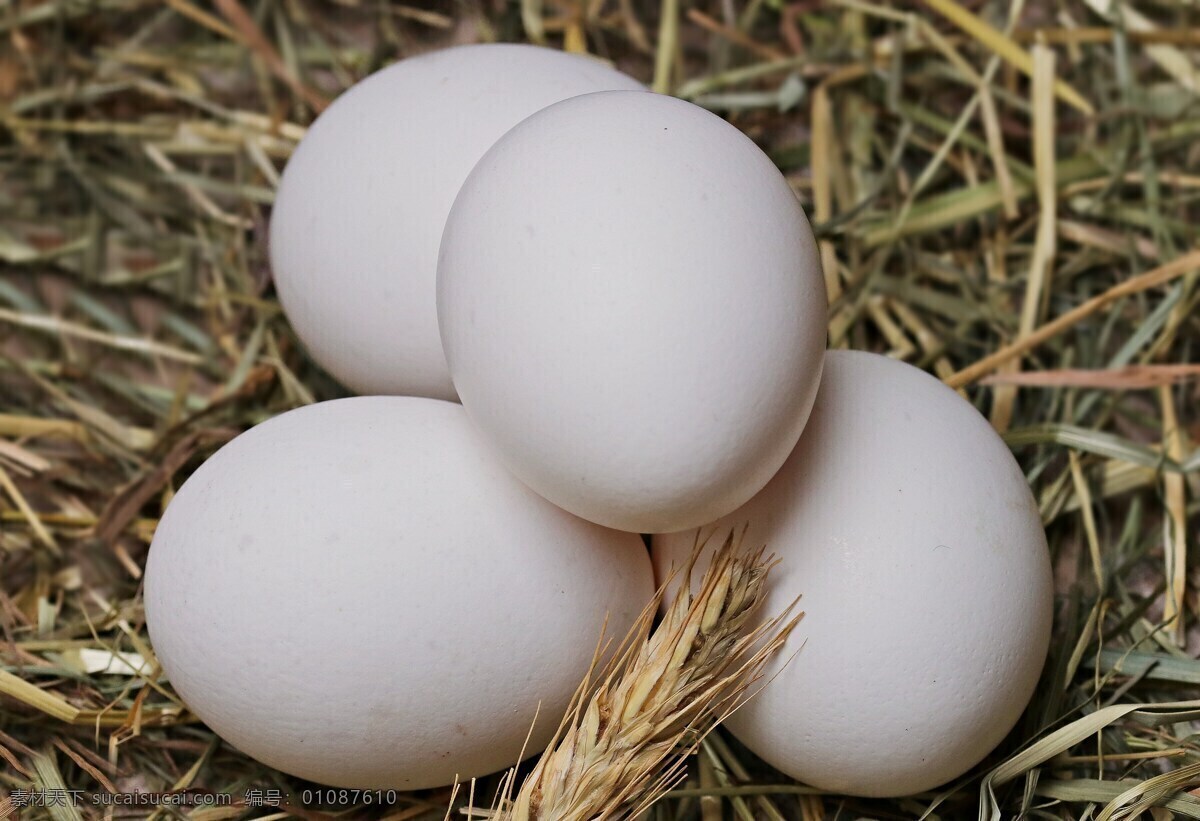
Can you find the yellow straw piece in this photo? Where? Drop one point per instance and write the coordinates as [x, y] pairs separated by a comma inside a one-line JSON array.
[[36, 697], [1006, 48]]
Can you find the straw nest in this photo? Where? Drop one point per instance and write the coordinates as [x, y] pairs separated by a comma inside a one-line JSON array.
[[1004, 194]]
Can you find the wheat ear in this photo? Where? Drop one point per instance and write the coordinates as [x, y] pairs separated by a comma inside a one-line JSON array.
[[625, 742]]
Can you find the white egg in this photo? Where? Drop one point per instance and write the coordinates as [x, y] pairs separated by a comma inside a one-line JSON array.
[[359, 212], [632, 308], [359, 594], [909, 530]]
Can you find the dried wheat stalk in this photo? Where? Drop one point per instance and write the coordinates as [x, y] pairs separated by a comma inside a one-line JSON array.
[[625, 743]]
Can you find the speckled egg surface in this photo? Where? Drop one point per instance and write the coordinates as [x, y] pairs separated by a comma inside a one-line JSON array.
[[909, 530], [359, 212], [358, 593], [632, 309]]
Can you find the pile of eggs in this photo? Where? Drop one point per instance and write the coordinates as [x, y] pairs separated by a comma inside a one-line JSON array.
[[625, 296]]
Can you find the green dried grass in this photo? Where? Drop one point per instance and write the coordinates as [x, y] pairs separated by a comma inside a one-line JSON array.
[[138, 330]]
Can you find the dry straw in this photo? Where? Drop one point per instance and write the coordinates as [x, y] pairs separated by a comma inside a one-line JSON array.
[[625, 741]]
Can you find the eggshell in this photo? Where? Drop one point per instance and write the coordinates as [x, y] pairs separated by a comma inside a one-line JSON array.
[[909, 530], [359, 212], [359, 594], [632, 308]]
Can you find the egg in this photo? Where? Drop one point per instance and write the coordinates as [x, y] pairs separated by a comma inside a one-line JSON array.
[[632, 308], [910, 532], [359, 594], [359, 212]]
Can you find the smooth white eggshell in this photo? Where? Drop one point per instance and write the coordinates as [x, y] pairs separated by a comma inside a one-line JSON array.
[[359, 594], [632, 308], [359, 213], [909, 530]]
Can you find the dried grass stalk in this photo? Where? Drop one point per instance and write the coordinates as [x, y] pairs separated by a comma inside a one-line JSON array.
[[625, 742]]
